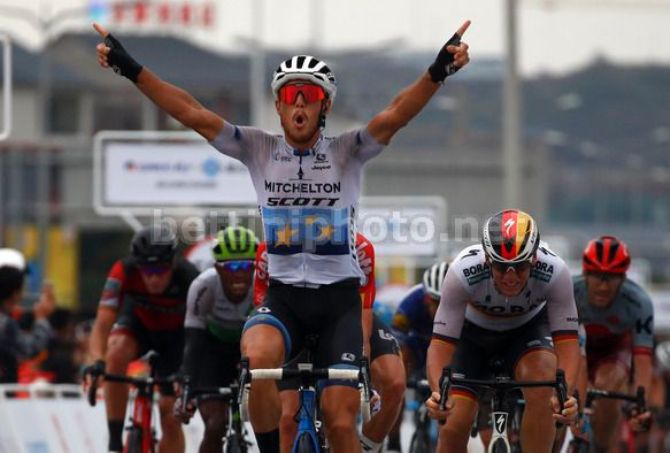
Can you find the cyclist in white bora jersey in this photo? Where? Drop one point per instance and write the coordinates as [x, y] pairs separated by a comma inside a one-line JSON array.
[[308, 186], [505, 298]]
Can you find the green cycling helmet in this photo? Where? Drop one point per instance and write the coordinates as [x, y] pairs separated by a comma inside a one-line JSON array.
[[235, 243]]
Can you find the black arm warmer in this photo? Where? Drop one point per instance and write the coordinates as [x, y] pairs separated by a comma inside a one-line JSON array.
[[121, 61], [443, 66], [195, 340]]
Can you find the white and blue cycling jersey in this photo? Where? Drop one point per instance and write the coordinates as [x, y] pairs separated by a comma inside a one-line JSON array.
[[307, 198]]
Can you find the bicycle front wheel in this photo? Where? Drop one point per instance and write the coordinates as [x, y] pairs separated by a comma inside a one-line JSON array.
[[235, 444], [305, 444], [578, 446], [499, 446]]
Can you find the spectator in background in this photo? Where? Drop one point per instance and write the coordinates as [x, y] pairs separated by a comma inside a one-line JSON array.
[[59, 363], [16, 344]]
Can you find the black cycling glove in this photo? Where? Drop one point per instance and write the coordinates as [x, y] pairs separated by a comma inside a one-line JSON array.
[[94, 370], [121, 61], [444, 66]]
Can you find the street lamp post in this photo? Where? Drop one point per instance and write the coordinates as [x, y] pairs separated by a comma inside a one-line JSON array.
[[512, 152]]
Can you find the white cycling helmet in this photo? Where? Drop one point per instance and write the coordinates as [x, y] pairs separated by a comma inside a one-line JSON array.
[[304, 67], [12, 258], [433, 278], [663, 355]]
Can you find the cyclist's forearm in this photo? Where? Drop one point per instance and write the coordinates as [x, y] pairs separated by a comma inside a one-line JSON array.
[[194, 343], [568, 354], [643, 367], [100, 332], [440, 354]]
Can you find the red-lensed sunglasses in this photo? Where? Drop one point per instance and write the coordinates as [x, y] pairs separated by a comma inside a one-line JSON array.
[[288, 94]]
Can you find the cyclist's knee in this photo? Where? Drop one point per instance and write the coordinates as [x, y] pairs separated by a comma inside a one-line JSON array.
[[263, 345], [215, 425], [340, 405], [455, 433], [287, 425], [611, 377], [536, 365], [537, 398], [120, 352], [393, 389]]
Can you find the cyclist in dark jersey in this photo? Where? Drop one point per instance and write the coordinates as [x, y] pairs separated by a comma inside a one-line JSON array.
[[619, 319], [142, 308], [307, 187]]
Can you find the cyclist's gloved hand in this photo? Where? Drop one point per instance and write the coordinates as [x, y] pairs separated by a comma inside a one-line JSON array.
[[92, 372], [434, 409], [113, 54], [184, 413], [569, 413], [451, 57], [639, 422]]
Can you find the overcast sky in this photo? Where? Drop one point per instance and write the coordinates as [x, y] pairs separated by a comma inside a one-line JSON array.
[[551, 39]]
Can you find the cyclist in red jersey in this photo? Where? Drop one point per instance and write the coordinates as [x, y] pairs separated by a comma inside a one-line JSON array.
[[619, 319], [142, 307], [386, 367]]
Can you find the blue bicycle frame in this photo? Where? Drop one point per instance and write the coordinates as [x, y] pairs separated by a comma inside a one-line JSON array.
[[306, 418]]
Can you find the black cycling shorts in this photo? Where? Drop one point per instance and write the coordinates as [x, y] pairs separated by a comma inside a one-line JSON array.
[[169, 344], [332, 312], [382, 341], [478, 346], [218, 362]]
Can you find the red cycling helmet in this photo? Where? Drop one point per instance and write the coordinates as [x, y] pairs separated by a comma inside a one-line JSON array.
[[606, 254]]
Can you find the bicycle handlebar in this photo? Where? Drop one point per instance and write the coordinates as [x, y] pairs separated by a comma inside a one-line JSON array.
[[287, 373], [188, 393], [447, 380], [123, 379]]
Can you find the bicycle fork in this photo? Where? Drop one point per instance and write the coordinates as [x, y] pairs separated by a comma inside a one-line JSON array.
[[306, 419], [499, 423]]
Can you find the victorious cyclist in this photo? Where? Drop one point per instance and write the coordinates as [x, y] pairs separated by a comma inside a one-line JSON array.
[[380, 346], [619, 319], [505, 298], [307, 187], [219, 302]]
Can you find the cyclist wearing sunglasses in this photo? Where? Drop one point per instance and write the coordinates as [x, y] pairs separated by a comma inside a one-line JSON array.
[[619, 319], [507, 297], [308, 186], [142, 308], [219, 302]]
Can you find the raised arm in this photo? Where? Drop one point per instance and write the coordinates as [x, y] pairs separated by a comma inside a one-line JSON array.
[[173, 100], [410, 101]]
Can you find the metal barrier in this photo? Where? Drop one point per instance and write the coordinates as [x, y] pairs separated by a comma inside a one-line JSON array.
[[56, 418]]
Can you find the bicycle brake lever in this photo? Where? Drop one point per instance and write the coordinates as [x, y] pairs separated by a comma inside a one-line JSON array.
[[561, 392]]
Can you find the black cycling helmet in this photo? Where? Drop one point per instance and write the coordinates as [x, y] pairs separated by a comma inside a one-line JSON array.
[[153, 245]]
